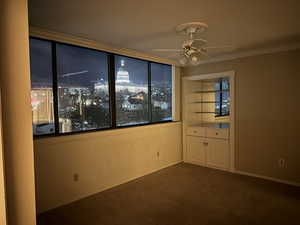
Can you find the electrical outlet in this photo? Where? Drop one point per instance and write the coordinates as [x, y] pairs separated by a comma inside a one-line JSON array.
[[75, 177], [281, 162]]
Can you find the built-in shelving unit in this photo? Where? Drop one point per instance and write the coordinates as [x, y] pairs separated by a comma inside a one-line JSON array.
[[206, 135]]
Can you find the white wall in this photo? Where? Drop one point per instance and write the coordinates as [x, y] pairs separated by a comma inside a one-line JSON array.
[[102, 160]]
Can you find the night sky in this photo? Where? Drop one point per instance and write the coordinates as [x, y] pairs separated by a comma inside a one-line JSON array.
[[78, 66]]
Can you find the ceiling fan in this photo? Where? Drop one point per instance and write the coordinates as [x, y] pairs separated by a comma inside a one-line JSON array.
[[193, 49]]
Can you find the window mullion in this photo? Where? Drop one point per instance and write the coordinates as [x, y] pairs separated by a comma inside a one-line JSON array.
[[112, 89], [221, 96], [55, 87], [149, 93]]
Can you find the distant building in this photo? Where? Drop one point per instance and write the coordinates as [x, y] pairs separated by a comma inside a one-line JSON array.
[[122, 75], [42, 105], [161, 104], [42, 110]]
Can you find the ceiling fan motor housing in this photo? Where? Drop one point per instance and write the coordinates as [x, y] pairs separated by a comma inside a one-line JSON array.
[[192, 28]]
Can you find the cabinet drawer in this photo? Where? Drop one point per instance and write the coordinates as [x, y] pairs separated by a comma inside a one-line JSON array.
[[217, 133], [196, 131]]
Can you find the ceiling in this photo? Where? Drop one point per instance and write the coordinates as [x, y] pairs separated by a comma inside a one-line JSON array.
[[145, 25]]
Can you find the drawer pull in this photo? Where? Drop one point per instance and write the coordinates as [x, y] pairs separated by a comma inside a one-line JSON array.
[[195, 131], [205, 143], [216, 133]]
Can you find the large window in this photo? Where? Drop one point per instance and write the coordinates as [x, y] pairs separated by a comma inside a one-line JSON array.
[[76, 89], [83, 97], [131, 81], [41, 87], [222, 97], [161, 92]]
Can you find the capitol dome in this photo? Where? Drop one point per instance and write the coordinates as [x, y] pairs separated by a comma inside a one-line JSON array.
[[122, 74]]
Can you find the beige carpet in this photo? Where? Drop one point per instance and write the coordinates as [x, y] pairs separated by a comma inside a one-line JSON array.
[[185, 195]]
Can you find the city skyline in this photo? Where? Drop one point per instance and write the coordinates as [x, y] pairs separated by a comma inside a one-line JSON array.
[[83, 92], [79, 63]]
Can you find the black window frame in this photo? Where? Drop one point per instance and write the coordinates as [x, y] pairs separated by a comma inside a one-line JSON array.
[[220, 91], [112, 94]]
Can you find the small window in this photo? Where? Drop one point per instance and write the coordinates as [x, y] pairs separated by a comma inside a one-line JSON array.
[[131, 84], [161, 92], [222, 97], [41, 87], [83, 91]]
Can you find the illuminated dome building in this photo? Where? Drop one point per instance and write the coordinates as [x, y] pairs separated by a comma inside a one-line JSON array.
[[122, 75]]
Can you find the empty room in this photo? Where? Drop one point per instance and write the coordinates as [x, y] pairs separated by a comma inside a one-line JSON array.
[[149, 112]]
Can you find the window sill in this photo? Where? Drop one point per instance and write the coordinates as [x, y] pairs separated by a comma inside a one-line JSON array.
[[102, 132]]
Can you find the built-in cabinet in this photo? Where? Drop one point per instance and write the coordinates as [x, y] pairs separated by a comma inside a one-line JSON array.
[[207, 138], [207, 146]]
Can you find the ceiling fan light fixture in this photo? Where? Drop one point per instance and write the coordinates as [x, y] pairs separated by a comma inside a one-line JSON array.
[[195, 59], [193, 49], [183, 60]]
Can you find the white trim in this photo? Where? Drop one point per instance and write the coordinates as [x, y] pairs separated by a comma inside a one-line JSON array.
[[210, 75], [253, 52], [297, 184]]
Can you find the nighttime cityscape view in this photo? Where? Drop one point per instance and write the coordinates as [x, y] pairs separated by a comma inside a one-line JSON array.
[[222, 97], [83, 89]]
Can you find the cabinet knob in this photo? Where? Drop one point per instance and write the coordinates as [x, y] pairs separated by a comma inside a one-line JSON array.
[[216, 133], [205, 143]]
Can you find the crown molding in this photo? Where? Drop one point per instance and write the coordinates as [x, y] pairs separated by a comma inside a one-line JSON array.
[[71, 39], [253, 52]]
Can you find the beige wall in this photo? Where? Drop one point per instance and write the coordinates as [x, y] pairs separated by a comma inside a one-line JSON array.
[[267, 107], [16, 112], [102, 160]]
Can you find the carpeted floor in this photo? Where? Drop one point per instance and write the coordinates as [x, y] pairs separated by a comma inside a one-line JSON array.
[[185, 195]]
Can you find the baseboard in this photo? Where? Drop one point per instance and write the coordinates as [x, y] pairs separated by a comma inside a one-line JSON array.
[[109, 186], [297, 184]]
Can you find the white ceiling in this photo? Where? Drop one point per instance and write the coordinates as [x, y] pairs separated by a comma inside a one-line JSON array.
[[146, 24]]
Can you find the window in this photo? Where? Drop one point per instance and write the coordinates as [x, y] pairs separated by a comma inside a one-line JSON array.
[[161, 92], [76, 89], [222, 97], [41, 87], [83, 97], [131, 81]]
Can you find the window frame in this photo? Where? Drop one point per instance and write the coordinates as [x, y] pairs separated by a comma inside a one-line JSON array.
[[112, 94], [220, 91]]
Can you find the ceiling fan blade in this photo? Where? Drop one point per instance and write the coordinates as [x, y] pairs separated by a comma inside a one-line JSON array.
[[216, 47], [200, 39], [167, 50]]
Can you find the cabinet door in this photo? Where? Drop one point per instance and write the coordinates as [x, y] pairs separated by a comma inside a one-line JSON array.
[[218, 153], [196, 150]]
